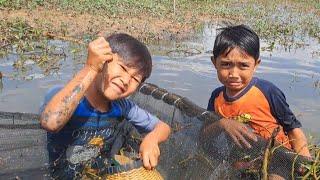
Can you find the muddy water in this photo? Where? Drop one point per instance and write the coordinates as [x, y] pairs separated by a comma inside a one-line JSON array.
[[183, 68]]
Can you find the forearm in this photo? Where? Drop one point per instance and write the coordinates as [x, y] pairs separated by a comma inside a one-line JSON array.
[[61, 107], [160, 133], [299, 142]]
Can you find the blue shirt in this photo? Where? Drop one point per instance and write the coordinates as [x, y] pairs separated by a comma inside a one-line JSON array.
[[87, 123]]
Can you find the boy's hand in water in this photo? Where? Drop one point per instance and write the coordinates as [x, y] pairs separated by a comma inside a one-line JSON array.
[[149, 151], [239, 132], [99, 52]]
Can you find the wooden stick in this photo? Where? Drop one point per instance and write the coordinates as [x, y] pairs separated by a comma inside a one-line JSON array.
[[268, 153]]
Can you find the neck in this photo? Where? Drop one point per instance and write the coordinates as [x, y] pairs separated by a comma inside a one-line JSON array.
[[236, 93], [96, 98], [233, 93]]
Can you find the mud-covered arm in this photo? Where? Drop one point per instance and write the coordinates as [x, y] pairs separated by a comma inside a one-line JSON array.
[[60, 108], [299, 142]]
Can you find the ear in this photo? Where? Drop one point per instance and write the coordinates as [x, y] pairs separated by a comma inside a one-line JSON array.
[[213, 60], [257, 63]]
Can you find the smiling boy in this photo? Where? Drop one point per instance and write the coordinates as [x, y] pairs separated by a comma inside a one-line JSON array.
[[89, 107], [243, 96]]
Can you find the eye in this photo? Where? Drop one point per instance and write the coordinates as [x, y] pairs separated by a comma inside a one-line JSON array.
[[225, 64], [136, 79], [123, 68], [244, 65]]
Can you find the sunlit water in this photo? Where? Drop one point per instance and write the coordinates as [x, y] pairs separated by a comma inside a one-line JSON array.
[[295, 72]]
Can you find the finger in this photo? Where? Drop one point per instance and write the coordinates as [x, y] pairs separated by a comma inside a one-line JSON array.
[[102, 45], [236, 141], [100, 42], [243, 141], [158, 151], [107, 58], [245, 131], [97, 41], [104, 51], [146, 161], [104, 41], [153, 161], [115, 56], [100, 39]]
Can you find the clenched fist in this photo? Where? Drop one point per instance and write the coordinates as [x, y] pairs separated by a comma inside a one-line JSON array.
[[99, 52]]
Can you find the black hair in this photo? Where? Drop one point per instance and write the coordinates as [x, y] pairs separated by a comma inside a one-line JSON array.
[[133, 52], [240, 36]]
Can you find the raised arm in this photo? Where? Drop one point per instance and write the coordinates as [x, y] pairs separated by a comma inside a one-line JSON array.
[[60, 108]]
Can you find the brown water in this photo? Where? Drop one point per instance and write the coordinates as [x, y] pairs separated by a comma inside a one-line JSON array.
[[183, 68]]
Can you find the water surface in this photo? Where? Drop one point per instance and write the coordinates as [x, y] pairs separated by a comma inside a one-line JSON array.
[[181, 67]]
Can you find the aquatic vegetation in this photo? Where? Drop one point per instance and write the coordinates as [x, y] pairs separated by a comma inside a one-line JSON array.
[[30, 46], [310, 169], [282, 22]]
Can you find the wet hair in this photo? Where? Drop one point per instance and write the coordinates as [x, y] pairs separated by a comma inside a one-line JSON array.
[[133, 52], [240, 36]]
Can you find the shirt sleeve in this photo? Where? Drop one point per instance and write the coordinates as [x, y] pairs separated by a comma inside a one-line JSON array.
[[282, 112], [279, 106], [50, 93], [140, 118]]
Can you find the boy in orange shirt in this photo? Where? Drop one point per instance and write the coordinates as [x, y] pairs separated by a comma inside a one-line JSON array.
[[236, 58]]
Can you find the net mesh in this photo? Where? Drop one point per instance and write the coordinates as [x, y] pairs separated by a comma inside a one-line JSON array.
[[188, 154], [22, 146]]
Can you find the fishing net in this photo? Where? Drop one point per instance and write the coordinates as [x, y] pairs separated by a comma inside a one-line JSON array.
[[188, 154], [22, 146]]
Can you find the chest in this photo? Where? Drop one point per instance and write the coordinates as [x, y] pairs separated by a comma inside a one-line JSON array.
[[252, 103]]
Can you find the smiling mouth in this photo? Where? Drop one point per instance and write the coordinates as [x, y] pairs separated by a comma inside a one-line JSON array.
[[121, 89]]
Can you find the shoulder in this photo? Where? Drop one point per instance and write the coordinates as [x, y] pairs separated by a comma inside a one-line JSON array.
[[215, 93], [140, 118], [124, 103], [268, 88], [273, 94], [124, 106]]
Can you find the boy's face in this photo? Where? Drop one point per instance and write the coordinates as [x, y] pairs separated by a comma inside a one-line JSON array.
[[235, 70], [118, 80]]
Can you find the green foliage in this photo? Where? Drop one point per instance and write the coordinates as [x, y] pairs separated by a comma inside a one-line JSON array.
[[277, 21]]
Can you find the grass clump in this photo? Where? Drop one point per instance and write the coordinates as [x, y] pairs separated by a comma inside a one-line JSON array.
[[29, 45]]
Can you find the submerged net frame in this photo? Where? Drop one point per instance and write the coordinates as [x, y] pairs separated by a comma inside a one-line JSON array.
[[186, 155]]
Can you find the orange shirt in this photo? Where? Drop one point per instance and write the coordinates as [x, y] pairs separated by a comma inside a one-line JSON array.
[[262, 104]]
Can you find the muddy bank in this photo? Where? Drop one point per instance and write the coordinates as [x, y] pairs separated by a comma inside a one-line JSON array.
[[70, 23], [279, 22]]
